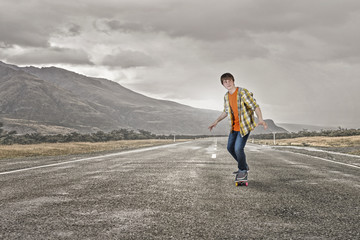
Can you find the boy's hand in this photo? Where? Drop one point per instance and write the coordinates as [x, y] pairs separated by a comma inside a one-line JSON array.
[[262, 122], [221, 117], [212, 126]]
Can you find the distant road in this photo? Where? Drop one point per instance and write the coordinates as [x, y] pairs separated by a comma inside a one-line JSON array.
[[180, 191]]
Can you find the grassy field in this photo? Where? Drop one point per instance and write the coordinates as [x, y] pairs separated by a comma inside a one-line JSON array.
[[55, 149], [350, 142]]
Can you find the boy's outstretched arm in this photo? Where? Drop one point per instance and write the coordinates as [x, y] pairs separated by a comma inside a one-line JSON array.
[[221, 117], [260, 118]]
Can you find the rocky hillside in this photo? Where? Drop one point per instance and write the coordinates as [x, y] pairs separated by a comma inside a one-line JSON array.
[[53, 100]]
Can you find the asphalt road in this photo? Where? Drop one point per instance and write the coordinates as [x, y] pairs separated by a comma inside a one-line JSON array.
[[180, 191]]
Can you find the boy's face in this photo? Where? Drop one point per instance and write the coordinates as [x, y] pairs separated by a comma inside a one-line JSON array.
[[228, 83]]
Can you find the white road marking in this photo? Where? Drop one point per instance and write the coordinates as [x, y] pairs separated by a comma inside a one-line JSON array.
[[91, 158], [327, 160], [215, 149], [320, 150]]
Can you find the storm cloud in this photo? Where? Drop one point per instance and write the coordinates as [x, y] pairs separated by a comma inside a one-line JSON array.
[[51, 55], [129, 59]]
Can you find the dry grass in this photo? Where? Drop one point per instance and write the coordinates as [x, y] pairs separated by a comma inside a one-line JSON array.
[[350, 141], [55, 149]]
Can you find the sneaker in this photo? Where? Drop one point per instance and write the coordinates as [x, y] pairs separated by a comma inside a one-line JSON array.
[[247, 169], [241, 176]]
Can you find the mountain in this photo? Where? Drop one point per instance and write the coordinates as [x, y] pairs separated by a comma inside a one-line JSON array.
[[52, 100], [272, 128]]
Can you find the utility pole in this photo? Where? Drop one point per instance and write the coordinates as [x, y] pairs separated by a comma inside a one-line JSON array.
[[274, 133]]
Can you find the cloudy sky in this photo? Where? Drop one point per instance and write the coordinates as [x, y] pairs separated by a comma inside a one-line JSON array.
[[301, 59]]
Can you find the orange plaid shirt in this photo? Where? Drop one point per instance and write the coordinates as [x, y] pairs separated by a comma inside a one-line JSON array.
[[246, 104]]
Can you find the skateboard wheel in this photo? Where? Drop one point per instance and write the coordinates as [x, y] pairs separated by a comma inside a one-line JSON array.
[[236, 184], [246, 184]]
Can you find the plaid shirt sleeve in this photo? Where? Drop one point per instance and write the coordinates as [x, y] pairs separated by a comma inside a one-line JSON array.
[[249, 100], [247, 108], [226, 104]]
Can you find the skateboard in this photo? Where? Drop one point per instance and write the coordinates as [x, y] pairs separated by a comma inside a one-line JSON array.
[[242, 181]]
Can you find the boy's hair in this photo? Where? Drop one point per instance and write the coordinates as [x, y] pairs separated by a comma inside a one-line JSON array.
[[226, 76]]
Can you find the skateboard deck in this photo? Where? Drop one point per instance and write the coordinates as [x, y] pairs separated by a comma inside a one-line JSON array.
[[241, 182]]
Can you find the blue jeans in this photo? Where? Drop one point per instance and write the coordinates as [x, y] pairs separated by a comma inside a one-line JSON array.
[[236, 145]]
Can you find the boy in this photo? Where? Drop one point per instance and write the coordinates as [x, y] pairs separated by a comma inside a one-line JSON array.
[[239, 106]]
